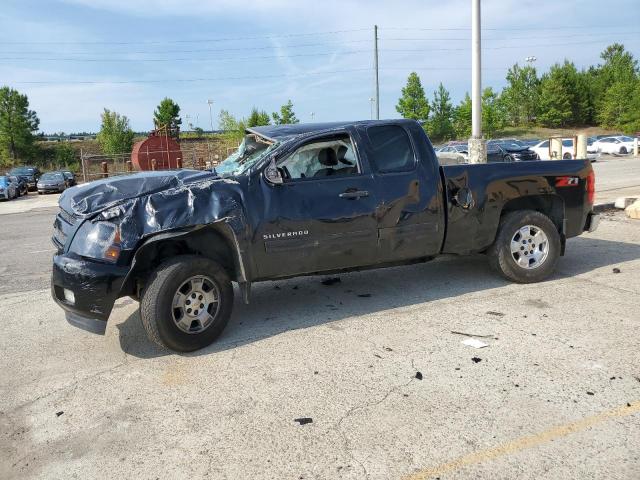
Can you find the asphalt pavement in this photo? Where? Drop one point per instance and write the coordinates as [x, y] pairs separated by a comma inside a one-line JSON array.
[[375, 361]]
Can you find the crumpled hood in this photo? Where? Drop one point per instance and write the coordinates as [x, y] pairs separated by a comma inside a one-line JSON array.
[[93, 197]]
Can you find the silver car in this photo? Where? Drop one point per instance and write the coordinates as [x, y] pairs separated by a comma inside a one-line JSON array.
[[8, 188], [52, 182]]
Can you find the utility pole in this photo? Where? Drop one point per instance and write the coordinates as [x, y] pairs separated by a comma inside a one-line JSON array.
[[371, 107], [210, 102], [375, 67], [477, 145]]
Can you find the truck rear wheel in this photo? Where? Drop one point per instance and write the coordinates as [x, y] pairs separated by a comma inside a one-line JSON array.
[[187, 303], [527, 247]]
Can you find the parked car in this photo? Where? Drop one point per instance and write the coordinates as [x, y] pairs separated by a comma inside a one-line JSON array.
[[457, 148], [52, 182], [619, 145], [299, 200], [22, 186], [542, 150], [513, 150], [8, 189], [30, 174], [70, 177]]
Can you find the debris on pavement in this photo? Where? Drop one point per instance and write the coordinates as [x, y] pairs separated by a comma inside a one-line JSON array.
[[590, 393], [476, 360], [330, 281], [388, 349], [418, 375], [364, 295], [495, 314], [474, 342], [616, 270], [455, 332], [59, 413], [303, 420]]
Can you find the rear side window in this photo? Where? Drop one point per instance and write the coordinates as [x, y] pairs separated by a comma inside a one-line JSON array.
[[391, 149]]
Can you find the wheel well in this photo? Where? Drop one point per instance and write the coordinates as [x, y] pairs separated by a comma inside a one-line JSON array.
[[207, 243], [550, 205]]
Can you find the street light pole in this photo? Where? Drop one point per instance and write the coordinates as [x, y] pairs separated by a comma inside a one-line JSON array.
[[477, 146], [375, 66]]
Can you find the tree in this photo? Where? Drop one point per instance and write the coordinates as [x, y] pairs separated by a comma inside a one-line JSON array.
[[557, 96], [413, 104], [230, 125], [521, 94], [286, 115], [493, 113], [614, 85], [167, 114], [115, 134], [440, 125], [258, 118], [17, 126], [64, 154], [462, 118]]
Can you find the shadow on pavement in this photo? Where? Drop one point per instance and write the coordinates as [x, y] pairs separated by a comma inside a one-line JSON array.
[[278, 307]]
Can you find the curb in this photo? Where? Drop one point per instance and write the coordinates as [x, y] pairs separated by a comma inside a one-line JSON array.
[[603, 207]]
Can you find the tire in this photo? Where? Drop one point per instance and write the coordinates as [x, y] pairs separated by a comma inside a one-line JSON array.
[[157, 310], [504, 261], [623, 150], [508, 158], [566, 156]]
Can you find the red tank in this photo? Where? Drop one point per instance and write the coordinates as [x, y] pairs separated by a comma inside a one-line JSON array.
[[158, 152]]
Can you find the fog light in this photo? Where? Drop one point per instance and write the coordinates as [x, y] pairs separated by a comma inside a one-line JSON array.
[[69, 296]]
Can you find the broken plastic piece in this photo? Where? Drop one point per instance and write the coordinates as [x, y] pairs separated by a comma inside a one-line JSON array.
[[476, 360], [474, 342], [419, 375], [303, 420]]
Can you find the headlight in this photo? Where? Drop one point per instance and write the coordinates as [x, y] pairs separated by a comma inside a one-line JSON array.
[[99, 240]]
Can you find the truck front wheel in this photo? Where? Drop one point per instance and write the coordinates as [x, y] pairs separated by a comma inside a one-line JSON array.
[[527, 247], [187, 303]]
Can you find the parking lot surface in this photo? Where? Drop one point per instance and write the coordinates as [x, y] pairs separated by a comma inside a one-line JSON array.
[[372, 360]]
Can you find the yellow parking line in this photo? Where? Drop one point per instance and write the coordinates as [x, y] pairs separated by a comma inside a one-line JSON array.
[[525, 442]]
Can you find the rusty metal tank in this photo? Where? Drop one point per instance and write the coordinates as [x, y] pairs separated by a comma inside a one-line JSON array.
[[157, 152]]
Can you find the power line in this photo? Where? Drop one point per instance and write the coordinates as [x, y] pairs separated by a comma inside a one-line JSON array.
[[181, 80], [201, 40], [498, 29], [269, 47], [192, 59], [245, 77]]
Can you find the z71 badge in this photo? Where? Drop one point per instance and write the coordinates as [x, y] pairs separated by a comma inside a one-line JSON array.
[[275, 236]]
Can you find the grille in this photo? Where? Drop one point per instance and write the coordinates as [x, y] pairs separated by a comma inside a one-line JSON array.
[[62, 227]]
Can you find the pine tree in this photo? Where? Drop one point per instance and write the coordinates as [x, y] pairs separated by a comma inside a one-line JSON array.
[[167, 114], [413, 104], [258, 118], [440, 125], [17, 125], [286, 115]]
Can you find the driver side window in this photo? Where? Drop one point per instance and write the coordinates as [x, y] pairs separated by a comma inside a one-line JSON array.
[[321, 159]]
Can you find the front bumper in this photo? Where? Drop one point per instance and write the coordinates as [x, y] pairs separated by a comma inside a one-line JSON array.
[[95, 286], [593, 220], [49, 188]]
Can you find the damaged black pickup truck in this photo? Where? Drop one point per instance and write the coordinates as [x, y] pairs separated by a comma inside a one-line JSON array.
[[300, 200]]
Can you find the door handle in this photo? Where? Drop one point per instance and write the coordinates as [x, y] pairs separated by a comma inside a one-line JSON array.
[[354, 194]]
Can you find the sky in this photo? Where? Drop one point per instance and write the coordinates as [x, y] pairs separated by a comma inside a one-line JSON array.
[[73, 58]]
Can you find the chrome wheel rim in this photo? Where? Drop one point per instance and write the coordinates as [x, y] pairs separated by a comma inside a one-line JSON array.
[[196, 304], [529, 247]]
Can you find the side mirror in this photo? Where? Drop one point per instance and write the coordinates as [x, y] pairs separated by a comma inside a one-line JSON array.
[[463, 198], [272, 174]]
